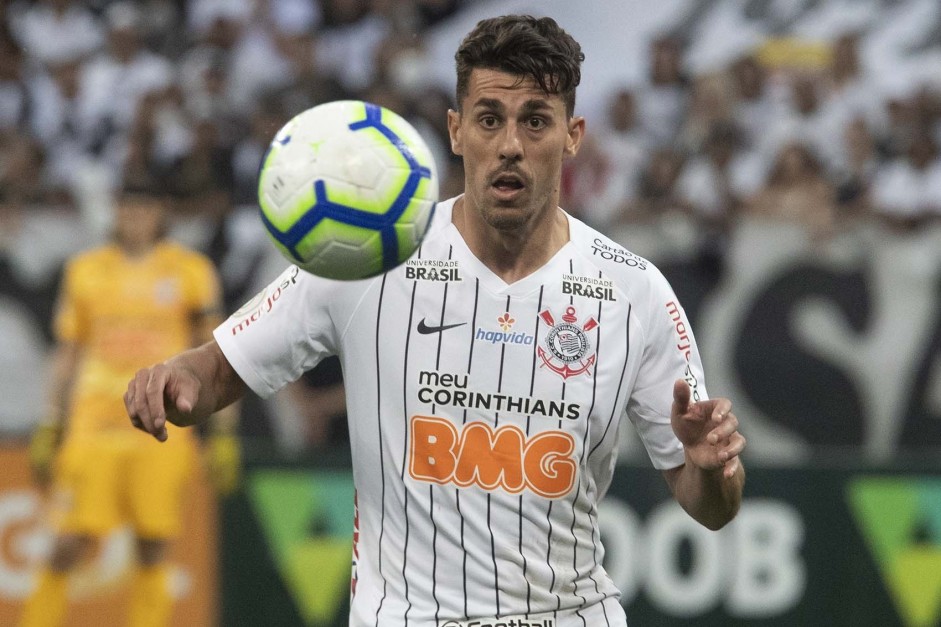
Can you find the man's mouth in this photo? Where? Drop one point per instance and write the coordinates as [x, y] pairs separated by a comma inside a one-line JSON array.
[[508, 183]]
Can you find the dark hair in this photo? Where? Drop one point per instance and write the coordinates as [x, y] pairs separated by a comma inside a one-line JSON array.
[[141, 189], [529, 47], [141, 192]]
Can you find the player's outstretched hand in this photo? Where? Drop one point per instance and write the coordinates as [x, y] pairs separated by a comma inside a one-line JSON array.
[[708, 430], [159, 393]]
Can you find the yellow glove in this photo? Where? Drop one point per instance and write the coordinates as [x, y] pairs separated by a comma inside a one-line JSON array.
[[42, 450], [224, 458]]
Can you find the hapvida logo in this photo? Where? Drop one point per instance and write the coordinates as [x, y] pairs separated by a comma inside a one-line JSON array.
[[506, 336], [506, 321]]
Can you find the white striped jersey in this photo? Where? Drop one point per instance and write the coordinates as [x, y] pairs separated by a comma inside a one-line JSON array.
[[483, 417]]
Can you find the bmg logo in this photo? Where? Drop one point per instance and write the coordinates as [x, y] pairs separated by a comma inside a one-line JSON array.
[[504, 458]]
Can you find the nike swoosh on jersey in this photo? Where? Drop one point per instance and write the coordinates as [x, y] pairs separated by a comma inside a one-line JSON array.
[[424, 329]]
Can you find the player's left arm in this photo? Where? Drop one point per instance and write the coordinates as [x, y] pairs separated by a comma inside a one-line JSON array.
[[71, 329], [709, 484]]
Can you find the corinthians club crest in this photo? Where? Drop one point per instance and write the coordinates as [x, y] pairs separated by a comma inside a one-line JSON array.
[[568, 344]]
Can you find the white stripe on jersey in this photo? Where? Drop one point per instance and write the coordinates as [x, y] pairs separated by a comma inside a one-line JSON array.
[[483, 417]]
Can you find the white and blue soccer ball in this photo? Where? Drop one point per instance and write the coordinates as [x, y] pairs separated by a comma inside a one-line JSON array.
[[347, 189]]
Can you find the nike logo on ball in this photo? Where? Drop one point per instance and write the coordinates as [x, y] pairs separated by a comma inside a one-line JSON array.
[[424, 329]]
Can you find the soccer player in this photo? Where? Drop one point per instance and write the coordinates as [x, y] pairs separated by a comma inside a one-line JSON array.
[[136, 300], [488, 375]]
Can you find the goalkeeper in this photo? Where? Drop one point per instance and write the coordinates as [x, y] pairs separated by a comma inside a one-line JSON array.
[[136, 300]]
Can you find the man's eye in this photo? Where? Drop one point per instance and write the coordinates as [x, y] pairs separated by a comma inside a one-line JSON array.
[[536, 123], [488, 121]]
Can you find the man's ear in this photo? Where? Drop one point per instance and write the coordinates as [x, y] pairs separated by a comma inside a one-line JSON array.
[[575, 136], [454, 131]]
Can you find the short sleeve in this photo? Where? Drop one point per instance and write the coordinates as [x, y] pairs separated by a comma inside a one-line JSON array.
[[669, 353], [282, 332]]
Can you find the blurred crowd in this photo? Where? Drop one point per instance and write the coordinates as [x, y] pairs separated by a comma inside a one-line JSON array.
[[792, 131], [188, 93]]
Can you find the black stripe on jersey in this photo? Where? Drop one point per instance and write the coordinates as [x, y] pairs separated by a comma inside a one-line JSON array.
[[617, 404], [575, 552], [578, 489], [408, 527], [496, 421], [532, 375], [408, 345], [473, 333], [594, 506], [457, 493], [581, 493], [594, 383], [496, 414], [431, 488], [382, 469], [549, 556], [444, 303], [532, 388], [595, 544], [551, 503]]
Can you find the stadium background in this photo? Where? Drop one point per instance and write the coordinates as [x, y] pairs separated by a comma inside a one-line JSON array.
[[778, 159]]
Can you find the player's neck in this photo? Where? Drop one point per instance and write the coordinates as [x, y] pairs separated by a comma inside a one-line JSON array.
[[511, 254], [136, 250]]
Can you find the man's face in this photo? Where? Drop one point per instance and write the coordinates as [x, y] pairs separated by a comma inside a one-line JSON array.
[[139, 221], [513, 138]]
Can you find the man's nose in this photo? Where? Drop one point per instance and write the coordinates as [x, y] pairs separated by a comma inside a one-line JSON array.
[[511, 148]]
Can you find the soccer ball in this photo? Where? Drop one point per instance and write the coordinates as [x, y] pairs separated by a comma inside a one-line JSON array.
[[347, 189]]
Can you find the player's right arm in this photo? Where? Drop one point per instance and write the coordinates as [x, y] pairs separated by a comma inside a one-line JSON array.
[[185, 389]]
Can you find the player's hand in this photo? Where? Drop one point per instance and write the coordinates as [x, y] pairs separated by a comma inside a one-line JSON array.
[[159, 393], [42, 451], [224, 459], [708, 430]]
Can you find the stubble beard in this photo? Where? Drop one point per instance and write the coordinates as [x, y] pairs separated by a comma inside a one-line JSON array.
[[506, 218]]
